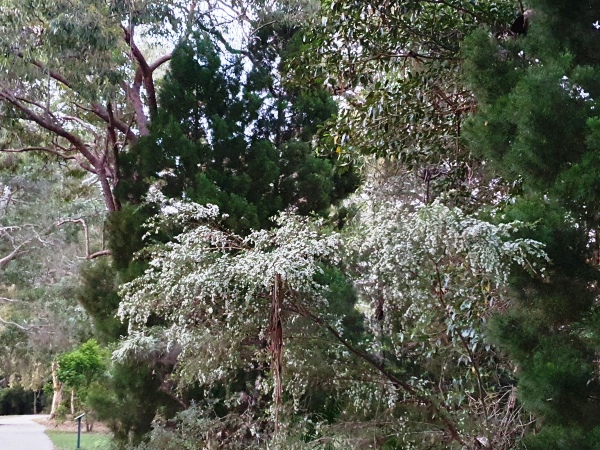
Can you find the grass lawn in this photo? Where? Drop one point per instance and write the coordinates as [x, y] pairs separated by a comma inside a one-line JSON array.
[[67, 440]]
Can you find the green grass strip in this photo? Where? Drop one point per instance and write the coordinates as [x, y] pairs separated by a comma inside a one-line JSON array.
[[67, 440]]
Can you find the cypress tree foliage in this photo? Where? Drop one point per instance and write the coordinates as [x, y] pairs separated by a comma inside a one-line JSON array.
[[537, 124], [234, 138], [223, 134]]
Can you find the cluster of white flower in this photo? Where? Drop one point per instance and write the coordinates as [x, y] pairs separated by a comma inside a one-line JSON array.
[[426, 277]]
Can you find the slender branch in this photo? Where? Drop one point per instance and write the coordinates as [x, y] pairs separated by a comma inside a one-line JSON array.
[[88, 254], [63, 156], [12, 255], [97, 109], [54, 75], [44, 108], [8, 322], [226, 43], [56, 129], [85, 232], [373, 361], [82, 148], [84, 124], [37, 149]]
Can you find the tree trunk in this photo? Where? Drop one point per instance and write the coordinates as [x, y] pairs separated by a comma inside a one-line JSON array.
[[35, 397], [57, 391], [107, 192], [72, 402], [89, 422]]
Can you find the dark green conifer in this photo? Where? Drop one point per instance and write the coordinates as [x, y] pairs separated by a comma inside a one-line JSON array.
[[536, 123], [225, 133]]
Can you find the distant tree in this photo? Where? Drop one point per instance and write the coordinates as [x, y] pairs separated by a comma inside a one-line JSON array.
[[43, 209], [77, 370]]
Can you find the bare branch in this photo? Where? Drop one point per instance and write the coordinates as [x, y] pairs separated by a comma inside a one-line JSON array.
[[37, 149], [100, 253], [54, 75], [46, 124], [85, 125], [88, 254], [12, 255], [7, 322], [100, 169], [29, 101], [85, 231], [160, 61]]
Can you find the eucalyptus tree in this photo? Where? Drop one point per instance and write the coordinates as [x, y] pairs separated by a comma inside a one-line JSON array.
[[77, 79], [43, 207]]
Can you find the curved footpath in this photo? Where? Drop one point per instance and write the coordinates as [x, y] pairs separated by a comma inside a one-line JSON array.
[[22, 433]]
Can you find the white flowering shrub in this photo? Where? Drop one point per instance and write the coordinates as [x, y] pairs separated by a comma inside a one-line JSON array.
[[411, 349], [428, 277]]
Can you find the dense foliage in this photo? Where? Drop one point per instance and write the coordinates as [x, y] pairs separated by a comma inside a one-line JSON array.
[[425, 278], [536, 124], [255, 291]]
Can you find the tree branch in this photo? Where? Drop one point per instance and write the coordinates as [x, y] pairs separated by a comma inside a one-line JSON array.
[[12, 255], [102, 113], [133, 93], [146, 72], [88, 254], [80, 146], [7, 322], [373, 361], [37, 149], [160, 61], [47, 125], [100, 253], [54, 75]]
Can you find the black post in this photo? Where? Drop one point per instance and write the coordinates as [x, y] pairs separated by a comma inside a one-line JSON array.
[[78, 419]]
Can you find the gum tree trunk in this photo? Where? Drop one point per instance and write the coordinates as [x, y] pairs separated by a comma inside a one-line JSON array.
[[57, 389]]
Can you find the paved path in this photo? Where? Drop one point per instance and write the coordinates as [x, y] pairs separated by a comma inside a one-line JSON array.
[[22, 433]]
